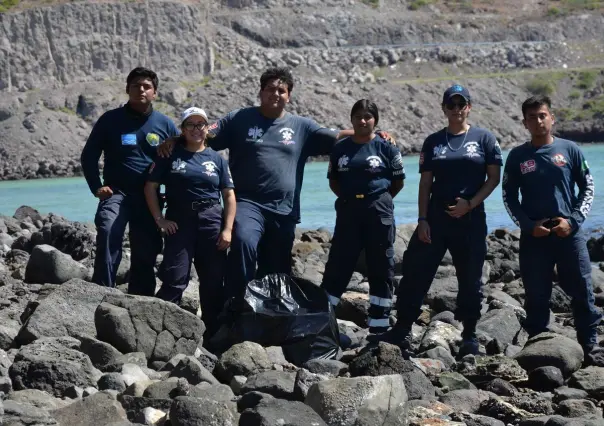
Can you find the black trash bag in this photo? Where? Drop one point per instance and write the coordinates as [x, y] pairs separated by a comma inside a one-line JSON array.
[[279, 310]]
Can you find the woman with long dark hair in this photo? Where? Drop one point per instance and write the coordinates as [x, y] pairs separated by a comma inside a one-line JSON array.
[[365, 173]]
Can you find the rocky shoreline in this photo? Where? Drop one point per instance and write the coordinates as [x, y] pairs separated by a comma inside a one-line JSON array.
[[73, 353]]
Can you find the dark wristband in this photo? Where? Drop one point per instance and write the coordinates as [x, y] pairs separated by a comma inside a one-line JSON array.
[[419, 219]]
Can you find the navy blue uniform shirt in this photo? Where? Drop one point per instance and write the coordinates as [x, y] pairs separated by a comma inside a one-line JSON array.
[[546, 178], [458, 162], [267, 156], [128, 140], [191, 176], [365, 168]]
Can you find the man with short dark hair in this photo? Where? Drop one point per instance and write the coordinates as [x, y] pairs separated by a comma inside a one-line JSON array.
[[128, 137], [545, 170]]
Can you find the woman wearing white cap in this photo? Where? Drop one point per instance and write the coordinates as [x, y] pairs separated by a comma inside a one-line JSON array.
[[196, 228]]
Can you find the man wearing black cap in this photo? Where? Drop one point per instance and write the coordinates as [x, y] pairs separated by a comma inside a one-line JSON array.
[[460, 166]]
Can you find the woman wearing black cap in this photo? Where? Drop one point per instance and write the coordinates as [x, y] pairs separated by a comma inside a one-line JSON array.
[[460, 166]]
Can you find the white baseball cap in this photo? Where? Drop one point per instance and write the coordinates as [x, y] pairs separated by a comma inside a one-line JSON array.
[[189, 112]]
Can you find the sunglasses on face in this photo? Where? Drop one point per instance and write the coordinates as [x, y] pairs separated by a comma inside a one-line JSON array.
[[453, 105], [193, 126]]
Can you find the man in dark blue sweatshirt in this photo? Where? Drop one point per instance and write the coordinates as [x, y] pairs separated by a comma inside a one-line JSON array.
[[128, 137], [545, 171]]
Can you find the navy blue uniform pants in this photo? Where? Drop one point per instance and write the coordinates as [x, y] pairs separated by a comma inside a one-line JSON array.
[[260, 238], [465, 238], [364, 224], [112, 216], [195, 243], [537, 259]]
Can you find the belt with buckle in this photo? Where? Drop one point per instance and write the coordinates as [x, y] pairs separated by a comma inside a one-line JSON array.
[[203, 204]]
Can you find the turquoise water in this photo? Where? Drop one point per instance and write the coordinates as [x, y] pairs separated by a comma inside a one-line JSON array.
[[71, 198]]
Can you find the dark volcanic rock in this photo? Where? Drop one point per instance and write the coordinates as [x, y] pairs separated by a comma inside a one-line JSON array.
[[67, 311], [144, 324], [379, 360], [52, 365]]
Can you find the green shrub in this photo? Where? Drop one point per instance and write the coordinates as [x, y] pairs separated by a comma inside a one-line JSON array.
[[539, 86], [7, 4]]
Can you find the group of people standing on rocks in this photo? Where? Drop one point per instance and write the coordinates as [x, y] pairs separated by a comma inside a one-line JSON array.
[[235, 221]]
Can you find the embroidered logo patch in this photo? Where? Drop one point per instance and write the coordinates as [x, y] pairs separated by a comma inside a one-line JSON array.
[[152, 139], [528, 166], [559, 160]]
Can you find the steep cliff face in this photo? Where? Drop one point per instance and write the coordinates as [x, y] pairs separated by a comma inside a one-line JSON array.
[[90, 41]]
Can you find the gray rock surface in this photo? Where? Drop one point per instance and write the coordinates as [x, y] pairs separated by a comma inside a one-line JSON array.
[[142, 324], [97, 409], [360, 400], [52, 365], [49, 265], [67, 311]]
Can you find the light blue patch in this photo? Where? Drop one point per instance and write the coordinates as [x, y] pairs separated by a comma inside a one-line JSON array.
[[457, 88], [129, 139]]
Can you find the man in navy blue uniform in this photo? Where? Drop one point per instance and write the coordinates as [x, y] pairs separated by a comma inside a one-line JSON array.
[[268, 148], [545, 170], [128, 137], [460, 167], [365, 173]]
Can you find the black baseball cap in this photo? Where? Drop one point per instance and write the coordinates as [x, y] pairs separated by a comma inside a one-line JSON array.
[[456, 90]]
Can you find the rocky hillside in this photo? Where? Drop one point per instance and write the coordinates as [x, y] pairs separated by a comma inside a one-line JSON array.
[[63, 63]]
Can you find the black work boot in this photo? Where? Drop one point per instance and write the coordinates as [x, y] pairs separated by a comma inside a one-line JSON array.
[[469, 343], [399, 336]]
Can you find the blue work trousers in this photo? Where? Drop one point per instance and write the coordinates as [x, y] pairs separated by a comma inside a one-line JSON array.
[[465, 238], [261, 239], [112, 216], [195, 243], [538, 256], [364, 224]]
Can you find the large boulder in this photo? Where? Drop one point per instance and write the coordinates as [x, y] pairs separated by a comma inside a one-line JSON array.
[[187, 411], [242, 359], [49, 265], [591, 380], [279, 412], [67, 311], [157, 328], [18, 413], [52, 365], [499, 324], [549, 349], [360, 401], [98, 409], [279, 384]]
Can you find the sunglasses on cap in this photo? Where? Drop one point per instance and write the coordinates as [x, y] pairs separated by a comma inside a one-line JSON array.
[[453, 105]]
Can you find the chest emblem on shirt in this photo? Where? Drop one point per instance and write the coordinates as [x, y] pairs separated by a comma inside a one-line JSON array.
[[179, 166], [287, 134], [471, 149], [440, 151], [374, 163], [254, 134], [528, 166], [210, 168], [153, 139], [342, 163], [559, 160]]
